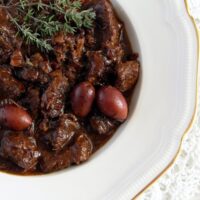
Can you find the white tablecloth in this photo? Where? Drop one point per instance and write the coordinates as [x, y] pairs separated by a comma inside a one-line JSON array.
[[182, 180]]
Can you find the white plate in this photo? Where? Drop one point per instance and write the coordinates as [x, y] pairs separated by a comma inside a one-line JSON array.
[[162, 108]]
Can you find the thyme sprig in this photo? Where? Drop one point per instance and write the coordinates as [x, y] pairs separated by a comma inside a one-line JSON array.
[[38, 21]]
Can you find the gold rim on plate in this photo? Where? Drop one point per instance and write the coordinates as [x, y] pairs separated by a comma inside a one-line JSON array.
[[195, 110]]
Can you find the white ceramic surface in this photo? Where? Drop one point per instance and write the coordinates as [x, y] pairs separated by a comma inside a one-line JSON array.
[[182, 179], [162, 108]]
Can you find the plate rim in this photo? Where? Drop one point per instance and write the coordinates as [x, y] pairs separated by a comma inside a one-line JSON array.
[[170, 164]]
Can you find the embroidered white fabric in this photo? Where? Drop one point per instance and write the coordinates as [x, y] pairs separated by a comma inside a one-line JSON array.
[[182, 181]]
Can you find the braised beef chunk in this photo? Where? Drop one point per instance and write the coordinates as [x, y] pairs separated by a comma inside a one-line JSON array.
[[16, 59], [102, 125], [97, 66], [82, 149], [6, 48], [62, 45], [33, 74], [69, 47], [53, 99], [127, 75], [63, 132], [108, 30], [20, 149], [90, 38], [45, 66], [44, 125], [71, 72], [9, 86], [63, 82], [8, 40], [53, 161], [32, 101], [36, 59], [78, 48]]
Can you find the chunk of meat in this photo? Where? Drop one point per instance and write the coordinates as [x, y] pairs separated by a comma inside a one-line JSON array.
[[82, 149], [109, 30], [8, 40], [55, 65], [60, 51], [63, 132], [56, 74], [102, 125], [46, 67], [53, 99], [33, 74], [90, 39], [96, 66], [63, 43], [59, 38], [69, 47], [54, 161], [16, 59], [9, 86], [32, 101], [44, 125], [78, 49], [71, 72], [20, 149], [36, 59], [6, 48], [127, 75]]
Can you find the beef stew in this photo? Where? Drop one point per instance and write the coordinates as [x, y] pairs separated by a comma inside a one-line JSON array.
[[57, 107]]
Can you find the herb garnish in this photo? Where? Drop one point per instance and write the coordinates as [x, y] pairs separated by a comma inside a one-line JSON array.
[[37, 21]]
